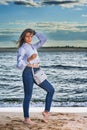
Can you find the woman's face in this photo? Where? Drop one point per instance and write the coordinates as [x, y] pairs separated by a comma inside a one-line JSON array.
[[28, 37]]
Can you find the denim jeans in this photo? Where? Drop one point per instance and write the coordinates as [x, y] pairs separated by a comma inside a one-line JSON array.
[[28, 82]]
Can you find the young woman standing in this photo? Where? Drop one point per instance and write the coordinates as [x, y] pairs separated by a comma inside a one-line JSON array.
[[27, 57]]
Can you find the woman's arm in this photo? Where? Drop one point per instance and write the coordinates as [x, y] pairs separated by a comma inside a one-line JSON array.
[[42, 39], [21, 63], [32, 57]]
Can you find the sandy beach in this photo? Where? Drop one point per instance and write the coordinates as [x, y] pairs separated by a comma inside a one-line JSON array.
[[57, 121]]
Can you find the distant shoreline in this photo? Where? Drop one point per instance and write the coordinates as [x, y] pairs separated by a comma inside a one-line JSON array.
[[50, 49]]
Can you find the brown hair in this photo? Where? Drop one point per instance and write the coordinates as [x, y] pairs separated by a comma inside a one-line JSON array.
[[22, 36]]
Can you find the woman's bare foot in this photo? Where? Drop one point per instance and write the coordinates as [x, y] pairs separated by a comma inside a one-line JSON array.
[[28, 121], [46, 116]]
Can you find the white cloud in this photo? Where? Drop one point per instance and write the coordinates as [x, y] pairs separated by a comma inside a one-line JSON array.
[[47, 26], [74, 43], [79, 3], [84, 15], [36, 3], [56, 26], [66, 3], [78, 9], [20, 2], [4, 2]]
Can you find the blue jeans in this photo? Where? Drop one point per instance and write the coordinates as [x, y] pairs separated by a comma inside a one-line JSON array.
[[28, 82]]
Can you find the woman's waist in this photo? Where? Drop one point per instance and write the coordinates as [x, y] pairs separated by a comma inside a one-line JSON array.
[[34, 65], [34, 61]]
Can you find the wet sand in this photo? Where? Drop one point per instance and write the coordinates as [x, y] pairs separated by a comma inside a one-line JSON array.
[[57, 121]]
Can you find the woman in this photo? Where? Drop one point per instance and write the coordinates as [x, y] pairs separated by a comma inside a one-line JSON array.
[[27, 57]]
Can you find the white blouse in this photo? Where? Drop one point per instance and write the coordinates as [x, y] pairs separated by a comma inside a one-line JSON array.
[[26, 50]]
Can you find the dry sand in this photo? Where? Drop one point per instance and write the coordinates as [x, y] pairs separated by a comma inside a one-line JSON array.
[[57, 121]]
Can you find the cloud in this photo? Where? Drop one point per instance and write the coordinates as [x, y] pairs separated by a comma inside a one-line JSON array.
[[20, 2], [58, 33], [46, 26], [78, 3], [66, 3], [84, 15], [63, 26], [74, 43], [26, 2], [58, 2], [38, 3], [78, 9]]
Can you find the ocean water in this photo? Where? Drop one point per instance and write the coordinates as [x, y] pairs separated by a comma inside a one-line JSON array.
[[66, 71]]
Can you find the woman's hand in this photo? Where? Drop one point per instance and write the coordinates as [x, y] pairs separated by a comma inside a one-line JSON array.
[[32, 57]]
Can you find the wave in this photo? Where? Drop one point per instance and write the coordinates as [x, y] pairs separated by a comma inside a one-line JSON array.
[[65, 67], [12, 100], [61, 102], [34, 100], [76, 80]]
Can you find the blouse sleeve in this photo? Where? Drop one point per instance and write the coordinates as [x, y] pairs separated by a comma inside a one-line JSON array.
[[21, 63], [42, 39]]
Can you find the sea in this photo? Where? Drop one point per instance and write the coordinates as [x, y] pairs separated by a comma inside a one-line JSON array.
[[66, 71]]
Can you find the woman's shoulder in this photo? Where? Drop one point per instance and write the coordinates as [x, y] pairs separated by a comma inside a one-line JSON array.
[[25, 46], [22, 48]]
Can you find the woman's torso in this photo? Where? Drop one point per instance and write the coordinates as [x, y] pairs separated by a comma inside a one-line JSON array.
[[30, 50]]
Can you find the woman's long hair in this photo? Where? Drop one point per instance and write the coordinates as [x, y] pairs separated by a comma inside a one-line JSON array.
[[22, 36]]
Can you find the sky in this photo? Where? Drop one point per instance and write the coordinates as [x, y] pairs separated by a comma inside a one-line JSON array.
[[64, 22]]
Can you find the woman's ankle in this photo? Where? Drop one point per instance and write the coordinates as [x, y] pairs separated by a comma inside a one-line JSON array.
[[27, 119], [46, 112]]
